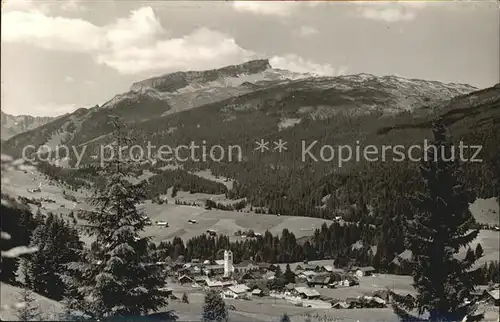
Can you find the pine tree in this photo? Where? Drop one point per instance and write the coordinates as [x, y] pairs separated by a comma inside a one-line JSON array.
[[214, 308], [28, 309], [58, 244], [278, 272], [437, 232], [479, 250], [115, 278], [284, 318], [288, 276]]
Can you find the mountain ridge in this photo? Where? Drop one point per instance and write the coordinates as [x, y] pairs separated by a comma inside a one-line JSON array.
[[251, 86], [12, 125]]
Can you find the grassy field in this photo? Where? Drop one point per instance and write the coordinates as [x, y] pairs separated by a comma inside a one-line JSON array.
[[10, 296], [270, 309], [223, 222], [486, 211], [197, 198], [369, 284], [258, 309], [19, 183]]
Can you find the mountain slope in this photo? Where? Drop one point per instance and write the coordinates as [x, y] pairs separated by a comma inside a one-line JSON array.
[[183, 90], [355, 110], [12, 125], [280, 97]]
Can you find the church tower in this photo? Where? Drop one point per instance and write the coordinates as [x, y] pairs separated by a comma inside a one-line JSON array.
[[228, 263]]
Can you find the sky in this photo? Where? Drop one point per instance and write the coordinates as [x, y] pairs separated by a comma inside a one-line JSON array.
[[58, 56]]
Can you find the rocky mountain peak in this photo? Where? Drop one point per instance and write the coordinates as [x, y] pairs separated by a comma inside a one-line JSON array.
[[15, 124], [173, 82]]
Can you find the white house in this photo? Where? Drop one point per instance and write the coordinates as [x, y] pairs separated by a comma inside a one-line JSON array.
[[218, 284], [307, 293], [236, 291], [364, 271]]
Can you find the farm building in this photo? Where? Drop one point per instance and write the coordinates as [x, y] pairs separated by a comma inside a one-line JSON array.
[[201, 280], [218, 284], [479, 292], [373, 302], [245, 266], [330, 269], [347, 281], [269, 276], [364, 271], [307, 293], [492, 296], [312, 267], [252, 275], [236, 291], [213, 269], [320, 280], [265, 267], [184, 279], [306, 275], [382, 294], [168, 291], [184, 271], [341, 305], [354, 303]]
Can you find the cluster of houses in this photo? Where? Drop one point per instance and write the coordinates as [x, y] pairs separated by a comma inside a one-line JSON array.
[[249, 279]]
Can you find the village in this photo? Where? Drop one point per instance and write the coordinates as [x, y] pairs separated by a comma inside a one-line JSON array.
[[316, 286]]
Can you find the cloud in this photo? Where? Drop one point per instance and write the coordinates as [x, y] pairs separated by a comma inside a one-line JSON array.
[[43, 6], [73, 6], [53, 33], [202, 49], [139, 28], [69, 79], [306, 31], [274, 8], [138, 43], [130, 45], [298, 64], [271, 8], [24, 5], [390, 11]]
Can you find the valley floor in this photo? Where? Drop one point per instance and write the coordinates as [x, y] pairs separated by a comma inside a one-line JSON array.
[[260, 309], [228, 222]]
